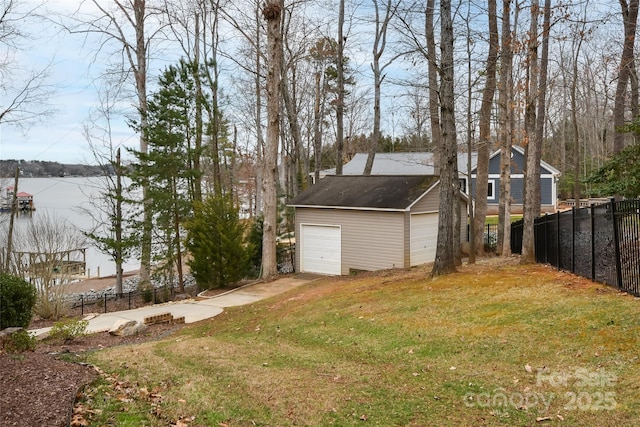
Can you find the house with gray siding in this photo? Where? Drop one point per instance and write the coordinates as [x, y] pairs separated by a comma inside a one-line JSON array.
[[352, 222], [424, 164], [549, 177]]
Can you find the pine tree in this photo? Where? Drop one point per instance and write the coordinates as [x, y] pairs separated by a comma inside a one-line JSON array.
[[219, 255]]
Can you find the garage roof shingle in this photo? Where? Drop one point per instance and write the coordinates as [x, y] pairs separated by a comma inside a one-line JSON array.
[[374, 191]]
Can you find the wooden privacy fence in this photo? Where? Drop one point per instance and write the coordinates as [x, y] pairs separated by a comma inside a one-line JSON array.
[[601, 242]]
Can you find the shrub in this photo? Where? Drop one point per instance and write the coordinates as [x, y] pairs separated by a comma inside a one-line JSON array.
[[216, 243], [20, 341], [68, 330], [52, 302], [17, 298]]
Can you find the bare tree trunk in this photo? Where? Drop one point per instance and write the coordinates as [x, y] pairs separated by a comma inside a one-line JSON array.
[[535, 127], [505, 131], [574, 119], [340, 100], [434, 91], [445, 261], [379, 45], [197, 187], [13, 212], [484, 144], [317, 131], [528, 242], [272, 13], [258, 114], [294, 128], [470, 142], [118, 226], [630, 18]]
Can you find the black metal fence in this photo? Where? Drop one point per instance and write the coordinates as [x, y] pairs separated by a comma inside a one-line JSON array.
[[109, 301], [601, 242], [490, 232]]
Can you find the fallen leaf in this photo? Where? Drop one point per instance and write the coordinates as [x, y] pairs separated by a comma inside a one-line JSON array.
[[540, 419], [182, 401], [560, 417], [453, 368], [363, 417], [528, 368]]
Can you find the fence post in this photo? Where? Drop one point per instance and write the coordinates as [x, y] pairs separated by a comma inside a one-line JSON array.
[[557, 214], [593, 243], [129, 300], [105, 302], [573, 239], [616, 243], [81, 305]]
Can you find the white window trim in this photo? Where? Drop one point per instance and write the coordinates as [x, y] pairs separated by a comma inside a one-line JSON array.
[[491, 186]]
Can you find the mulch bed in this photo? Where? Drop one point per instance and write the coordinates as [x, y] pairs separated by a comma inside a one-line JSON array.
[[39, 388]]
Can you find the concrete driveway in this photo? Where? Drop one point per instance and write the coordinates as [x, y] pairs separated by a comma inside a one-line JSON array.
[[195, 311]]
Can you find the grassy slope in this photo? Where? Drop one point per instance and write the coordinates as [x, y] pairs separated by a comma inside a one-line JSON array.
[[394, 348]]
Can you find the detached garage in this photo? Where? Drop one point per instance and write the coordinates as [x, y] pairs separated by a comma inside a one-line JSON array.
[[345, 223]]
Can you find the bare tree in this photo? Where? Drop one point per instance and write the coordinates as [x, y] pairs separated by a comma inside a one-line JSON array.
[[126, 24], [445, 261], [340, 101], [484, 144], [107, 210], [25, 93], [505, 104], [534, 124], [379, 45], [272, 13], [630, 18], [49, 251]]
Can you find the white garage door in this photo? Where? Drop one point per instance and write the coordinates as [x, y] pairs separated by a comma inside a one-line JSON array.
[[321, 249], [424, 236]]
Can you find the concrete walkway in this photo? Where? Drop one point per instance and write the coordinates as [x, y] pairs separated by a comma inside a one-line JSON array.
[[194, 311]]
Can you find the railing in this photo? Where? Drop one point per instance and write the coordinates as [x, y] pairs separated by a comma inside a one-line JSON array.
[[490, 232], [601, 242], [110, 301]]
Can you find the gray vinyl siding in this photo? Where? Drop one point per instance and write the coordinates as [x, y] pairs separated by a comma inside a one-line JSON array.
[[517, 164], [371, 240], [428, 203], [517, 190], [545, 191], [407, 239]]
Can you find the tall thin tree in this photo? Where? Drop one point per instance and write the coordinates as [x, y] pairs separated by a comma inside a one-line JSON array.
[[272, 12], [445, 261], [630, 18], [484, 144]]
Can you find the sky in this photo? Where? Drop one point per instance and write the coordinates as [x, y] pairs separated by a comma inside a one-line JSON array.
[[58, 136]]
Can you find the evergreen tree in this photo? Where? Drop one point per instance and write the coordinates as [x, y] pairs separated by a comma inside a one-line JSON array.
[[219, 255], [166, 167], [619, 176]]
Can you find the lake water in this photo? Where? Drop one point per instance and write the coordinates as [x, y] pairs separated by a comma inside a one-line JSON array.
[[67, 199]]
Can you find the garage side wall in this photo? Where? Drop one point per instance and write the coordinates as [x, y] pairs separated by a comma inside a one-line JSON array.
[[371, 240]]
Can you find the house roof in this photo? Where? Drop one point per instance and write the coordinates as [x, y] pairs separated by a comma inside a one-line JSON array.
[[373, 191], [417, 163], [543, 164], [401, 164]]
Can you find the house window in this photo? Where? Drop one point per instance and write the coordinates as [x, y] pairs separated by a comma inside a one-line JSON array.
[[463, 185], [491, 189]]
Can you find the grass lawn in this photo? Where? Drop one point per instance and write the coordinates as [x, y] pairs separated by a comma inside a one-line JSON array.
[[495, 344], [493, 219]]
